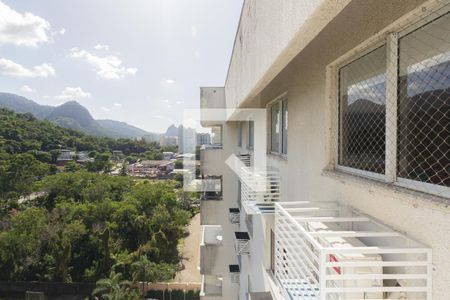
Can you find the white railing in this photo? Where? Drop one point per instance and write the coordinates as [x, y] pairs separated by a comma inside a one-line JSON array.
[[258, 185], [325, 251]]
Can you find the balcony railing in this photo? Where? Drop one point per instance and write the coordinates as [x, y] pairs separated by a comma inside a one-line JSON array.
[[211, 286], [258, 185], [242, 243], [326, 251], [209, 248], [212, 188]]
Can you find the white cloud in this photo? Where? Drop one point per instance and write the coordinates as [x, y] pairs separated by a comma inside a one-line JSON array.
[[105, 109], [26, 89], [179, 102], [165, 100], [8, 67], [73, 93], [62, 31], [117, 105], [109, 67], [169, 106], [22, 29], [194, 31], [167, 82], [197, 54], [101, 47]]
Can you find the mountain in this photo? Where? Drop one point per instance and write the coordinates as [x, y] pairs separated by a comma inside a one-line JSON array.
[[71, 115], [123, 129], [21, 104], [172, 130]]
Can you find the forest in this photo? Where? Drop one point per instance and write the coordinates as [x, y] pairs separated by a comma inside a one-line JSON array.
[[82, 224]]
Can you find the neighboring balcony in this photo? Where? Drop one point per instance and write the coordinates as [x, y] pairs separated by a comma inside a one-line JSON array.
[[212, 236], [211, 287], [212, 188], [211, 197], [211, 159], [326, 251]]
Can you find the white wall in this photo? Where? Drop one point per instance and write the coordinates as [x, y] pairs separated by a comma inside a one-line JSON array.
[[303, 172], [270, 34]]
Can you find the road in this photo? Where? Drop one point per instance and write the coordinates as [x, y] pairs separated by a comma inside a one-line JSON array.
[[190, 273]]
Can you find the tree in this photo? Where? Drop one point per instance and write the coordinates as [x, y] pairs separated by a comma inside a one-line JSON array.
[[114, 288], [72, 166]]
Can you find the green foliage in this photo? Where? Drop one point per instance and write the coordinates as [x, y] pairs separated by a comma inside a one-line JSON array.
[[29, 149], [114, 288], [84, 225]]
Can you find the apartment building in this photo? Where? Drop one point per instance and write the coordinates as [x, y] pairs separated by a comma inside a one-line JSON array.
[[331, 179]]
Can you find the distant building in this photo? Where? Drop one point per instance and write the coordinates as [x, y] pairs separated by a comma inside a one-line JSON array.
[[117, 155], [151, 168], [168, 155], [203, 139], [66, 155], [152, 137], [168, 140], [186, 140]]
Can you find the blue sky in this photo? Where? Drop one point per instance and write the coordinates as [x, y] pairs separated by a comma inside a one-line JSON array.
[[138, 61]]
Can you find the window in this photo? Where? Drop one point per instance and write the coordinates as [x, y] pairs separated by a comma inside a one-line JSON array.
[[278, 126], [251, 134], [362, 112], [216, 135], [240, 134], [284, 132], [424, 104], [394, 109]]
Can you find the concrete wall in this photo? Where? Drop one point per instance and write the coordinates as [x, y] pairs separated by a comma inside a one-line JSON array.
[[216, 213], [304, 171], [270, 34]]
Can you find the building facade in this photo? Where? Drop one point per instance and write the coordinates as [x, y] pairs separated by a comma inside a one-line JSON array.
[[333, 161]]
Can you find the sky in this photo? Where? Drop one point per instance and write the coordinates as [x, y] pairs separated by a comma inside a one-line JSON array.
[[137, 61]]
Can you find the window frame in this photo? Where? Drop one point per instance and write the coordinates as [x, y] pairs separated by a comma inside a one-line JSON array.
[[216, 145], [390, 37], [250, 135], [240, 133], [277, 101]]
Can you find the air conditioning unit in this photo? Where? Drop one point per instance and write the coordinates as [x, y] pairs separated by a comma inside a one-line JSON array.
[[235, 272], [234, 215], [346, 242], [242, 244]]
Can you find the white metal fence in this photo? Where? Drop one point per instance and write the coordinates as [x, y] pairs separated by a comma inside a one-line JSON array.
[[324, 251]]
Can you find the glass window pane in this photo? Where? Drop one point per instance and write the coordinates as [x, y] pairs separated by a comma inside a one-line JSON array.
[[275, 128], [251, 130], [240, 134], [424, 104], [216, 135], [285, 126], [362, 112]]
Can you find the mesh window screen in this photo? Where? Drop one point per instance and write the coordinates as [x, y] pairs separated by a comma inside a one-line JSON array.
[[393, 107], [424, 104], [362, 112]]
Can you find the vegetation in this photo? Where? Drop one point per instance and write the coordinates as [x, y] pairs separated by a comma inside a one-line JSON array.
[[83, 224], [86, 225], [29, 149]]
